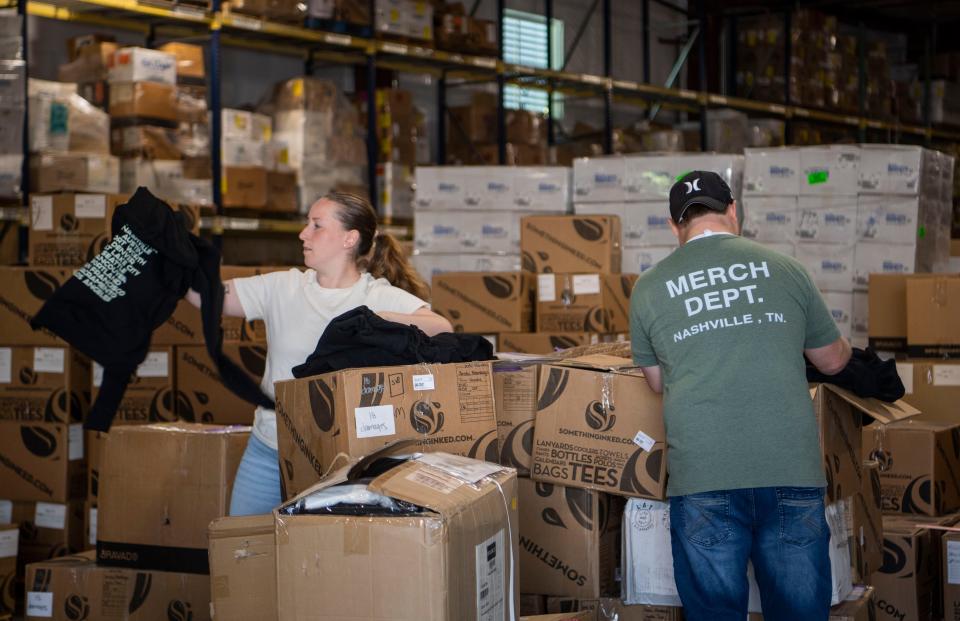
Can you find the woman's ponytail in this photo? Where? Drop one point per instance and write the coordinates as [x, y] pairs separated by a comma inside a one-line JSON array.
[[388, 261]]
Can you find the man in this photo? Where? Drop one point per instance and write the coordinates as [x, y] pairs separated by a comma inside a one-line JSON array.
[[720, 327]]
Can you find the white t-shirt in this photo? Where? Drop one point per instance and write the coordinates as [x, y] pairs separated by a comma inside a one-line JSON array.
[[296, 311]]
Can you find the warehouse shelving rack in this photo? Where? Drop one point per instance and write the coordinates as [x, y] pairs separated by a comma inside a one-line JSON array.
[[222, 27]]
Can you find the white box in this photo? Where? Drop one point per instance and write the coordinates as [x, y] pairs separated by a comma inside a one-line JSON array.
[[395, 188], [236, 124], [639, 260], [542, 188], [430, 264], [49, 120], [830, 265], [771, 172], [11, 170], [139, 64], [840, 305], [860, 318], [770, 218], [880, 258], [312, 122], [891, 219], [893, 169], [493, 231], [601, 209], [439, 187], [831, 170], [647, 224], [598, 179], [243, 152], [787, 248], [827, 219], [159, 176], [261, 127], [488, 187], [436, 231], [650, 177]]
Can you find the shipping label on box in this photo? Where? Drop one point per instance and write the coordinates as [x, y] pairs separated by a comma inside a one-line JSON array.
[[569, 540], [933, 305], [48, 529], [892, 219], [23, 291], [879, 258], [770, 219], [832, 170], [47, 384], [599, 179], [584, 436], [483, 302], [830, 265], [584, 302], [827, 219], [772, 172], [444, 407], [570, 244]]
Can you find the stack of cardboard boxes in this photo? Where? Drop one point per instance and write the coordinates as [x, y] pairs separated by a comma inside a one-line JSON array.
[[11, 104], [402, 138], [472, 134], [458, 31], [245, 155]]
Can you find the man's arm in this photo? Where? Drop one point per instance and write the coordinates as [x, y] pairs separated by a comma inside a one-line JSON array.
[[654, 379], [830, 359]]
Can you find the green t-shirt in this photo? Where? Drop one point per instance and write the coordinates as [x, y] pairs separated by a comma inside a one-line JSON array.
[[727, 320]]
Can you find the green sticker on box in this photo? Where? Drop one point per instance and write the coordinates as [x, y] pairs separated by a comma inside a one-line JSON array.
[[59, 115], [820, 176], [922, 232]]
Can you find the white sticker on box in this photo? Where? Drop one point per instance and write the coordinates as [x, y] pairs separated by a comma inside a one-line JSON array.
[[97, 375], [6, 511], [644, 441], [946, 375], [39, 604], [75, 442], [8, 543], [156, 364], [41, 213], [546, 288], [375, 421], [6, 365], [48, 359], [464, 468], [423, 382], [50, 515], [490, 592], [436, 480], [905, 371], [586, 284], [953, 562], [92, 538], [90, 206]]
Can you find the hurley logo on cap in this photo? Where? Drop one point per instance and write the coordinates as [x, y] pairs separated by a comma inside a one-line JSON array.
[[699, 187]]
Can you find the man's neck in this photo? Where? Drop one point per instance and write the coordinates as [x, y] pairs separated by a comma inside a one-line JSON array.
[[705, 223]]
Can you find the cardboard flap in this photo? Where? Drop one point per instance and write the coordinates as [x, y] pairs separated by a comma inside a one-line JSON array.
[[599, 362], [241, 526], [880, 411]]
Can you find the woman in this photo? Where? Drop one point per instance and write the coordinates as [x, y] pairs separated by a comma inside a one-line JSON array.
[[296, 307]]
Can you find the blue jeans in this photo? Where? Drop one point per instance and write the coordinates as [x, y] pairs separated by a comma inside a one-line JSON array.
[[781, 529], [256, 490]]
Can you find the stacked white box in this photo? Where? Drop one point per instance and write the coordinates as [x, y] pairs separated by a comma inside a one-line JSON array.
[[11, 105], [770, 219], [467, 218], [639, 260], [771, 172]]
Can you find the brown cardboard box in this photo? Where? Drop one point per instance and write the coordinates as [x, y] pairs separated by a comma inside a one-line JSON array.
[[243, 559], [69, 229], [143, 100], [161, 485], [76, 587], [89, 63], [201, 395], [887, 301], [74, 172], [453, 560], [613, 609], [36, 464], [591, 413], [150, 396], [919, 465], [474, 123], [9, 538], [526, 127], [45, 384], [244, 186], [569, 540], [89, 526], [282, 191], [93, 447], [861, 605], [484, 301], [541, 342], [48, 529], [81, 44], [933, 305], [951, 576], [937, 526], [144, 140], [585, 615], [305, 93], [933, 387], [904, 586], [189, 60], [357, 411], [584, 302], [570, 244], [23, 291], [515, 396], [531, 604], [867, 524]]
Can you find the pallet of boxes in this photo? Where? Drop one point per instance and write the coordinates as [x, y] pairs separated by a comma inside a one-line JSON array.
[[12, 110]]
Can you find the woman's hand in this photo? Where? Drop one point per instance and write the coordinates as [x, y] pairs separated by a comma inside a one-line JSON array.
[[424, 318]]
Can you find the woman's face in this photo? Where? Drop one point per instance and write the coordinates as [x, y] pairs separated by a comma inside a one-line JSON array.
[[324, 238]]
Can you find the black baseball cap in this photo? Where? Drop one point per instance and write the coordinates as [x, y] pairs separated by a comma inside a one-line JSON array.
[[699, 187]]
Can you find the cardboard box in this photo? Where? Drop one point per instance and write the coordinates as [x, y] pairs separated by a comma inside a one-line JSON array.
[[933, 305], [515, 396], [840, 307], [831, 266], [770, 218], [896, 169], [282, 192], [771, 172], [9, 538], [932, 386], [484, 302], [244, 186], [904, 586], [243, 558], [48, 529], [867, 533], [861, 605], [570, 244], [69, 229], [887, 301], [919, 465], [143, 100], [543, 342], [647, 223], [22, 292], [76, 587], [541, 189], [44, 384], [613, 609], [599, 179], [879, 258], [89, 526], [639, 260], [202, 397], [584, 302], [41, 461], [561, 616], [951, 575], [447, 407], [146, 141], [891, 219], [189, 59], [569, 540], [585, 437], [137, 64], [93, 447], [190, 468], [830, 170], [75, 172], [150, 396], [458, 550], [827, 219]]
